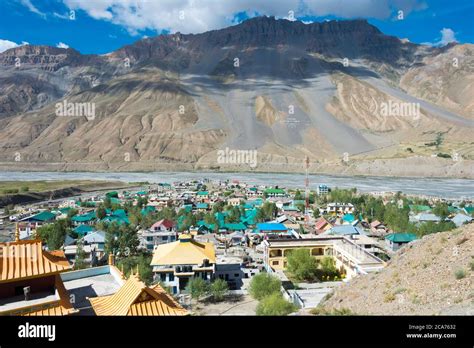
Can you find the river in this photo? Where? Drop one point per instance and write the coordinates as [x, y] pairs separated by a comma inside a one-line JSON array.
[[440, 187]]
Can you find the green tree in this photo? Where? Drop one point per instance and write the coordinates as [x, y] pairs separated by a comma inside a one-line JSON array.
[[218, 289], [80, 262], [298, 196], [234, 215], [54, 234], [100, 212], [142, 262], [302, 265], [316, 213], [127, 240], [107, 202], [197, 288], [441, 210], [275, 304], [71, 213], [218, 207], [264, 284], [142, 202], [328, 267]]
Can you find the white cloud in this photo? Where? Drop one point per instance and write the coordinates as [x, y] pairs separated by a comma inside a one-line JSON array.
[[6, 45], [32, 7], [447, 36], [193, 16], [62, 45]]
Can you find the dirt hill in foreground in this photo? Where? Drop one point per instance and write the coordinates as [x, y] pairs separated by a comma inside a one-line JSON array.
[[432, 276]]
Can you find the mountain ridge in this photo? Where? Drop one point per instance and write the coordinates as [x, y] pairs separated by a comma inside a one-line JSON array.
[[274, 86]]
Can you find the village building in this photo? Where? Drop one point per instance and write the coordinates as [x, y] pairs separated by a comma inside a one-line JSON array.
[[175, 263], [322, 225], [461, 219], [424, 217], [271, 228], [28, 225], [30, 281], [161, 232], [134, 298], [322, 190], [274, 192], [235, 202], [395, 241], [93, 245], [349, 257], [340, 208]]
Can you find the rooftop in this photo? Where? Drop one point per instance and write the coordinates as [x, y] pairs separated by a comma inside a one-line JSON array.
[[27, 259], [91, 282], [185, 251], [135, 298]]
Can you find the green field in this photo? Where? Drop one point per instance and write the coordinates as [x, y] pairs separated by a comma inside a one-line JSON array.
[[14, 187]]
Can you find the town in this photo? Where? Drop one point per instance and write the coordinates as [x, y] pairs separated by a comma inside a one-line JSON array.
[[205, 247]]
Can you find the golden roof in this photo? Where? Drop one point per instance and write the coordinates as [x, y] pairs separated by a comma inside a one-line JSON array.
[[27, 259], [185, 251], [136, 299]]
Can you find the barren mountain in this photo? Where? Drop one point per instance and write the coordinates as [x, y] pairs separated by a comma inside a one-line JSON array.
[[286, 89], [431, 276]]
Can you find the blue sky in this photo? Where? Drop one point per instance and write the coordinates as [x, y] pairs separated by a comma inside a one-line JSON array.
[[101, 26]]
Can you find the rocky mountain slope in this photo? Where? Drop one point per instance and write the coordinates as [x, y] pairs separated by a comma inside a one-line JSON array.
[[286, 89], [431, 276]]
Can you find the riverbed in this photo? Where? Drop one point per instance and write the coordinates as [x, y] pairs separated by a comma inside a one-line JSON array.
[[438, 187]]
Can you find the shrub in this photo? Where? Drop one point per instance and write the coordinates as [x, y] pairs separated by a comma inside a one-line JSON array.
[[302, 265], [197, 287], [264, 284], [328, 266], [460, 274], [275, 304], [389, 298], [218, 289], [337, 311]]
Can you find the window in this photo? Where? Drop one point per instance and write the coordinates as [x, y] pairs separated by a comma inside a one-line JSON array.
[[175, 290], [149, 239], [275, 253], [317, 251], [236, 275], [163, 277], [275, 263], [171, 277]]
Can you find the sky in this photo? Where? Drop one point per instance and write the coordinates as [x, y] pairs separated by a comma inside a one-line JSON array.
[[102, 26]]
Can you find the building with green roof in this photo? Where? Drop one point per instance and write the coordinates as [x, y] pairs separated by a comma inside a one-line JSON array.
[[148, 210], [88, 218], [395, 241], [233, 227], [469, 209], [419, 208], [82, 230], [44, 216], [202, 206], [274, 192]]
